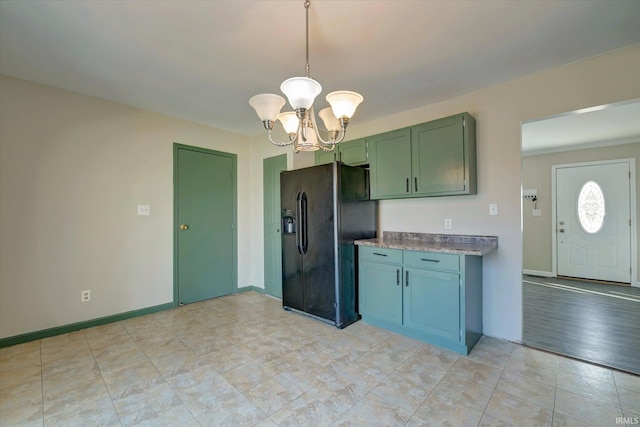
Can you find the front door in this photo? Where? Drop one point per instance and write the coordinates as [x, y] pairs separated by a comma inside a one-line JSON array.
[[204, 221], [593, 227], [272, 224]]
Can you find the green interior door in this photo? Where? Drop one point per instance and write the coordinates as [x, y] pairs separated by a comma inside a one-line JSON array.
[[272, 224], [205, 214]]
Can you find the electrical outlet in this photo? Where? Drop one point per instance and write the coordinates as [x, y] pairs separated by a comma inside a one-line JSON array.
[[537, 212], [144, 210], [493, 209], [448, 223], [86, 296]]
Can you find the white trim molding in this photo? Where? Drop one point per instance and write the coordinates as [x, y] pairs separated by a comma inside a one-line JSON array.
[[539, 273]]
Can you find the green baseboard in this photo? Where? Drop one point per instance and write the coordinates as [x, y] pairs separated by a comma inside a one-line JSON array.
[[65, 329]]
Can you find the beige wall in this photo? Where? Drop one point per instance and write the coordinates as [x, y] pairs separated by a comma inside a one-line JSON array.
[[536, 173], [73, 169]]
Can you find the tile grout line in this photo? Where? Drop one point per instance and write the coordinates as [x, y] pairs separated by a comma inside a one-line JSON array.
[[104, 381], [484, 411], [156, 368], [618, 393]]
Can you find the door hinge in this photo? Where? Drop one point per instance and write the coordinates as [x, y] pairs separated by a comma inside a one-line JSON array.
[[464, 122]]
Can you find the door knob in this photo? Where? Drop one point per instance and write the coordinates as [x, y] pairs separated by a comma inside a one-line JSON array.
[[561, 230], [184, 227]]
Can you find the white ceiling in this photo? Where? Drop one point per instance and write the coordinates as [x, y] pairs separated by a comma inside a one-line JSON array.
[[590, 127], [202, 60]]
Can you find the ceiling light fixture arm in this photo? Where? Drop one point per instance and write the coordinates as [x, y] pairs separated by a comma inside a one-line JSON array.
[[268, 125], [335, 137]]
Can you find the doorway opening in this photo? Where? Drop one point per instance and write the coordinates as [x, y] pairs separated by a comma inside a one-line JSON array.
[[272, 224]]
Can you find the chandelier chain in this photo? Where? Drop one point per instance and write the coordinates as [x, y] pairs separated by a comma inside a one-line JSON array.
[[300, 124], [306, 67]]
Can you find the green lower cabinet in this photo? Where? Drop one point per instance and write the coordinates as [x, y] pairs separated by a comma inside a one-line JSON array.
[[431, 303], [382, 297], [441, 305]]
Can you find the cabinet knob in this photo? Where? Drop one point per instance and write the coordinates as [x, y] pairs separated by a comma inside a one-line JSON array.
[[184, 227]]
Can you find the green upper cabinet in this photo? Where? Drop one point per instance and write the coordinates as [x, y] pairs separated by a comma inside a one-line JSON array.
[[436, 158], [324, 157], [390, 166], [353, 153], [443, 156]]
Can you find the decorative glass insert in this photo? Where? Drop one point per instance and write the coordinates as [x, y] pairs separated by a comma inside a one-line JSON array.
[[591, 207]]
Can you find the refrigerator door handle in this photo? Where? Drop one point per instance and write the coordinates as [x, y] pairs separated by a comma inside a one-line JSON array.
[[299, 223], [304, 237]]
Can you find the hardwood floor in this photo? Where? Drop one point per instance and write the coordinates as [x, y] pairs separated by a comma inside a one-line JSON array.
[[591, 321]]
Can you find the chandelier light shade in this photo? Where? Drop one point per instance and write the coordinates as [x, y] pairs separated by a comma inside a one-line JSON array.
[[289, 122], [267, 105], [300, 124], [301, 92], [344, 103], [330, 121]]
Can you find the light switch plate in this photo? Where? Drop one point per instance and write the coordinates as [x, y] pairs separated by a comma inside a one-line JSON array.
[[537, 212], [144, 210], [493, 209]]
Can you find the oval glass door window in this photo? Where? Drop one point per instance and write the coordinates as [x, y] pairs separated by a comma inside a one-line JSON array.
[[591, 207]]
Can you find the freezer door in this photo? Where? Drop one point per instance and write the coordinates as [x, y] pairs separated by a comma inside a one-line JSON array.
[[292, 291], [318, 238]]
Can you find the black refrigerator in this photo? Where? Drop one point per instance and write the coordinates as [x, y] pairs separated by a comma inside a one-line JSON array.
[[324, 209]]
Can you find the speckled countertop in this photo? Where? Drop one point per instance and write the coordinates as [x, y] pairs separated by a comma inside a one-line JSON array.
[[443, 243]]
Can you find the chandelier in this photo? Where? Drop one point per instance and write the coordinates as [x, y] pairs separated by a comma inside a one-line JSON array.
[[300, 124]]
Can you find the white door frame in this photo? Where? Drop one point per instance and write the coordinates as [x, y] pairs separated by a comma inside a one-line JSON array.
[[632, 199]]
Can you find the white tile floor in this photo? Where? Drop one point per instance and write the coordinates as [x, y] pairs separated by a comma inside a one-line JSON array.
[[242, 360]]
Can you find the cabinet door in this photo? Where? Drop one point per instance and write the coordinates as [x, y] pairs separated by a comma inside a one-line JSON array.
[[439, 157], [380, 290], [323, 157], [354, 152], [390, 164], [432, 302]]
